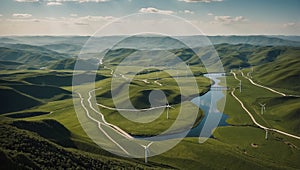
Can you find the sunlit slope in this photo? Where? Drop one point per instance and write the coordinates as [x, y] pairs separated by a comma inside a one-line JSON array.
[[277, 67], [283, 72]]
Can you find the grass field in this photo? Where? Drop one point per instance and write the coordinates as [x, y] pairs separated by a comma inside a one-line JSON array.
[[233, 147], [40, 128]]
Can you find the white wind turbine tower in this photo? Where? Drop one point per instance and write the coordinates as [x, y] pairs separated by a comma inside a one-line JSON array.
[[168, 108], [249, 74], [240, 84], [266, 136], [186, 71], [146, 147], [263, 108]]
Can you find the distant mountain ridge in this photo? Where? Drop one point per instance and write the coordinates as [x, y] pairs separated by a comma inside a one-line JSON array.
[[75, 43]]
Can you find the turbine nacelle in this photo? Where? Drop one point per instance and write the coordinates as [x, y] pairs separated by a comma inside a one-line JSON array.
[[263, 108]]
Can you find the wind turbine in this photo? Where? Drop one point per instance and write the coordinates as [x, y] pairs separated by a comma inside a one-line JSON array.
[[146, 147], [263, 108], [249, 74], [240, 84], [168, 108], [266, 136], [186, 71]]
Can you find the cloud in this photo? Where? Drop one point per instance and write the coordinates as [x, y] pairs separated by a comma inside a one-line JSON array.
[[1, 15], [155, 10], [228, 19], [54, 3], [27, 0], [187, 12], [81, 23], [206, 1], [210, 14], [21, 15], [96, 18], [290, 24], [73, 15], [79, 1], [82, 1]]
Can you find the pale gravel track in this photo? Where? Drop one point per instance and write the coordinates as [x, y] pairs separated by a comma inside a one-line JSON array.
[[253, 119], [268, 88], [99, 125]]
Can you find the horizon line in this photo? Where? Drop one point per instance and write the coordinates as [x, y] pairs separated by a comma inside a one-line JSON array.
[[66, 35]]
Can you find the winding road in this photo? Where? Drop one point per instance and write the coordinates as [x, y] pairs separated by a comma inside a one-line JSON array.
[[253, 119], [268, 88], [104, 122], [99, 124], [116, 128]]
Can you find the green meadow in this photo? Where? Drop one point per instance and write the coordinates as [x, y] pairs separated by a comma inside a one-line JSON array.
[[40, 128]]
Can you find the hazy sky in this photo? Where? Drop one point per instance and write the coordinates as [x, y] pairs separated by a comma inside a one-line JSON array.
[[213, 17]]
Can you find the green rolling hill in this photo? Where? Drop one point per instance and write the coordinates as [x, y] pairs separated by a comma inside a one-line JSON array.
[[16, 101], [25, 149], [29, 58], [10, 65], [39, 127], [64, 48], [69, 64]]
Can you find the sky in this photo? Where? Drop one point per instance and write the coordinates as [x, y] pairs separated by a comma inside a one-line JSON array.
[[211, 17]]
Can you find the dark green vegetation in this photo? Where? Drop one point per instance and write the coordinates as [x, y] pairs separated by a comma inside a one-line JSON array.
[[38, 147], [39, 127]]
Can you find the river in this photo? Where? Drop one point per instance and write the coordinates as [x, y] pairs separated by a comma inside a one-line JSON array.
[[212, 116], [208, 103]]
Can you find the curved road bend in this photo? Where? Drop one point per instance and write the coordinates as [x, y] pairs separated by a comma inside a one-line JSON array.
[[116, 128], [253, 119]]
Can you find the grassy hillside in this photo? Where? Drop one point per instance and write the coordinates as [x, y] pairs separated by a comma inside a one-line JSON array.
[[69, 64], [276, 67], [25, 149], [43, 92], [64, 48], [15, 101], [39, 127], [29, 58], [9, 65]]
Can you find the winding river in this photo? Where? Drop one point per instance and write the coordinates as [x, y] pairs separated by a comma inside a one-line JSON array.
[[209, 106]]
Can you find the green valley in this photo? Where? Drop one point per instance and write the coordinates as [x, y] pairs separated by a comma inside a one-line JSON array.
[[40, 126]]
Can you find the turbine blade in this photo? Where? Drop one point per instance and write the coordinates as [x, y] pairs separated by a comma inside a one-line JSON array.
[[149, 144]]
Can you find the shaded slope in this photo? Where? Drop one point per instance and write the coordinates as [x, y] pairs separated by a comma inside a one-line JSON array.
[[68, 64], [49, 129], [13, 100], [23, 149], [43, 92]]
